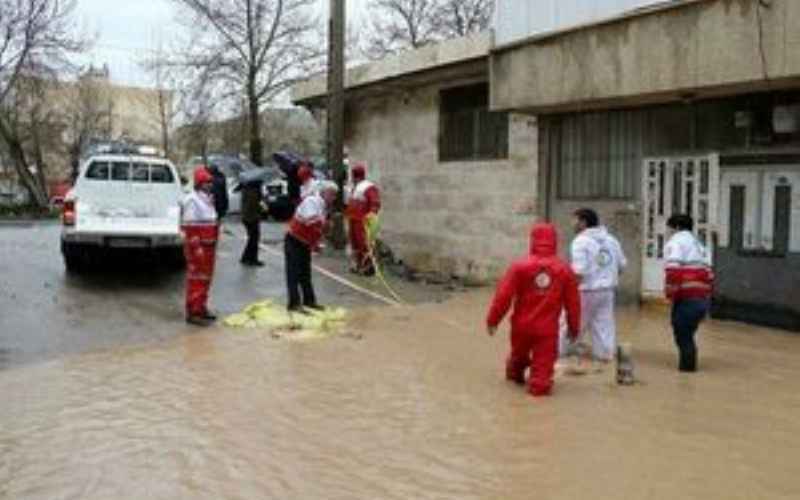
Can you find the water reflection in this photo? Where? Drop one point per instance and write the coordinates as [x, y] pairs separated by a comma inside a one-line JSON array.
[[417, 409]]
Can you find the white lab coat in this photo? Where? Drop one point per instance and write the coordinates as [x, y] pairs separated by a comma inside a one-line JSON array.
[[198, 208], [597, 259]]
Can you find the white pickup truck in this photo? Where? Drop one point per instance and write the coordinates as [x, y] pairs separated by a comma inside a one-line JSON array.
[[122, 201]]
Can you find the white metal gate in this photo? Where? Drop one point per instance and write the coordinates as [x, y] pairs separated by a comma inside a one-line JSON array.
[[679, 184], [759, 185]]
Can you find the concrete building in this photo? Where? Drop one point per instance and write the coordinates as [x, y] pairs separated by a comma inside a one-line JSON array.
[[452, 172], [637, 108], [93, 107]]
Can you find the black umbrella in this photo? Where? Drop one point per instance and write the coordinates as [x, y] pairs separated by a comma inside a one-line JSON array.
[[288, 162], [258, 175]]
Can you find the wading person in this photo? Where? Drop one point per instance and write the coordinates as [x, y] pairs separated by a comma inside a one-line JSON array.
[[597, 260], [201, 230], [251, 219], [540, 286], [688, 284], [363, 205], [303, 237]]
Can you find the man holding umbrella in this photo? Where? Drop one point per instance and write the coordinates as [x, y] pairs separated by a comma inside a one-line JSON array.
[[251, 218], [251, 183]]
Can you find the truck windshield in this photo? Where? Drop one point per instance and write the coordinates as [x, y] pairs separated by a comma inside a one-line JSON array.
[[136, 172]]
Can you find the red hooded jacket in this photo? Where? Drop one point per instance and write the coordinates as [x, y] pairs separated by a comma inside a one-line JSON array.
[[540, 287]]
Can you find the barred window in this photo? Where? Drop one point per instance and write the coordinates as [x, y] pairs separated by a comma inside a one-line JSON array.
[[467, 129], [599, 154]]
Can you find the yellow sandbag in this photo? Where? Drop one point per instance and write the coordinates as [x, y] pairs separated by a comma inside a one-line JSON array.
[[326, 320], [306, 322], [272, 317], [256, 306], [238, 320]]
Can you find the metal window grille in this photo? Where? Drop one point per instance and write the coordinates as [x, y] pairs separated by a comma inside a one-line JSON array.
[[468, 130], [599, 154]]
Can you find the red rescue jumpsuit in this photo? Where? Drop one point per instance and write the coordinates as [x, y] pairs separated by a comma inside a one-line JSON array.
[[201, 233], [540, 286], [365, 199]]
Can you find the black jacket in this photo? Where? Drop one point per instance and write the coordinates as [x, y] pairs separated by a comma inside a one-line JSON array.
[[251, 202], [220, 192]]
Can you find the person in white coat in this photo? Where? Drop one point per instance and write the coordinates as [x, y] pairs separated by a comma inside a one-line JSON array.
[[597, 259]]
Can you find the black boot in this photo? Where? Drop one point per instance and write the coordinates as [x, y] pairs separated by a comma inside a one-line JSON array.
[[687, 362]]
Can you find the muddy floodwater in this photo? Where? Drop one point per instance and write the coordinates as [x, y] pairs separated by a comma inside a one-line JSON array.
[[411, 405]]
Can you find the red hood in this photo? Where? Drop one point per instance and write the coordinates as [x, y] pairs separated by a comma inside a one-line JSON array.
[[544, 240], [304, 173]]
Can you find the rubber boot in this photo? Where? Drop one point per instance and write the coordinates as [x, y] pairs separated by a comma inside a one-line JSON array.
[[688, 361], [625, 365]]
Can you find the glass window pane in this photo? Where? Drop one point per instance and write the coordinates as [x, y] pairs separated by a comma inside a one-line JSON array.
[[121, 171], [99, 170], [140, 172], [161, 174]]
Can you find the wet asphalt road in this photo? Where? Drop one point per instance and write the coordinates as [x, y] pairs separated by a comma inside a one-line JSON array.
[[46, 313]]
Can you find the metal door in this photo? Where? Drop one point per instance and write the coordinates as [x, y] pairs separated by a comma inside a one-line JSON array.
[[672, 185]]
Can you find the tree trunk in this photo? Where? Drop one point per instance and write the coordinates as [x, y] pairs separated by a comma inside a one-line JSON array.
[[162, 110], [38, 157], [256, 152], [29, 181], [74, 163], [31, 184]]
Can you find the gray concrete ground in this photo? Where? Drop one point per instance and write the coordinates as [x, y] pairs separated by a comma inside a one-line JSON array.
[[47, 313]]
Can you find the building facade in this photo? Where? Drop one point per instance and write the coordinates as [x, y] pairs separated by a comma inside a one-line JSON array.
[[459, 182], [688, 106], [638, 109], [94, 108]]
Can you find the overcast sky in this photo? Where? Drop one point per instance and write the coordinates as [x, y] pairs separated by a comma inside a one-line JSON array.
[[127, 30]]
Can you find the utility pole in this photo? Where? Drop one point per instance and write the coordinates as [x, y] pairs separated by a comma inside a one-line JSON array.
[[335, 115]]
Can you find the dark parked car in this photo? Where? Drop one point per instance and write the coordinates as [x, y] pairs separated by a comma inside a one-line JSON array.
[[276, 196]]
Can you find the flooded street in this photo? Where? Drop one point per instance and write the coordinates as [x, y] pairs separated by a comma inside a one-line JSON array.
[[417, 408], [46, 313]]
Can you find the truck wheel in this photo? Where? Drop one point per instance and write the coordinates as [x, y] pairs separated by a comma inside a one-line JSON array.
[[174, 258]]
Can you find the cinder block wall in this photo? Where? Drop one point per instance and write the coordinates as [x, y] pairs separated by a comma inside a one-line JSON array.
[[467, 219], [757, 289]]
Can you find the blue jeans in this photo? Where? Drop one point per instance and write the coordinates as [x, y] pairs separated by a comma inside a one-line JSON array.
[[686, 317]]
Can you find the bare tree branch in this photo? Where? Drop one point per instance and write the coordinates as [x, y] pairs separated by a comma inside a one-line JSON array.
[[410, 24], [38, 38], [258, 47]]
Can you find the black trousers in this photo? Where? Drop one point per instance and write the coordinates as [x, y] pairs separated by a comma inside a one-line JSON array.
[[686, 317], [250, 253], [298, 272]]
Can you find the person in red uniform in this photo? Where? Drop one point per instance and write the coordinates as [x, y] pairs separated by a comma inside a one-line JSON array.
[[201, 230], [303, 237], [540, 287], [688, 283], [364, 202], [306, 177]]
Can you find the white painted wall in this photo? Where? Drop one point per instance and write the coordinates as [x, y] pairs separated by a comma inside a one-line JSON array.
[[519, 19]]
